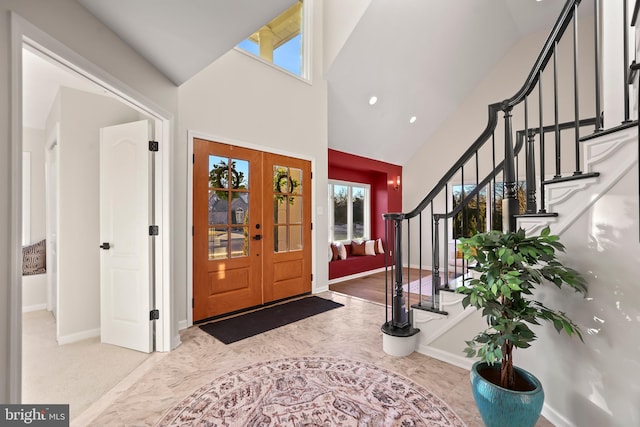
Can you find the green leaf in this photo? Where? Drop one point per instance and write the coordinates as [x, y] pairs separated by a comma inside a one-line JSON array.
[[474, 299], [510, 267], [568, 328]]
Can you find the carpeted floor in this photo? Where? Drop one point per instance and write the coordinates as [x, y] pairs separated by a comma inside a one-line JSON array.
[[76, 374], [319, 391]]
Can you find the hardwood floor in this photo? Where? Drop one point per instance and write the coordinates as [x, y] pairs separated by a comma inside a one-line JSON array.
[[372, 287]]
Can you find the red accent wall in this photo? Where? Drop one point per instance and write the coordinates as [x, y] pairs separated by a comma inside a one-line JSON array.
[[381, 176]]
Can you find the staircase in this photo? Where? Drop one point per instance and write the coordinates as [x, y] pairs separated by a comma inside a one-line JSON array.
[[549, 172], [613, 153]]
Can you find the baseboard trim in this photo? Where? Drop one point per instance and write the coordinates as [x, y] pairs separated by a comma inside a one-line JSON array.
[[445, 356], [355, 276], [78, 336], [554, 417], [182, 325], [320, 289], [35, 307], [175, 342]]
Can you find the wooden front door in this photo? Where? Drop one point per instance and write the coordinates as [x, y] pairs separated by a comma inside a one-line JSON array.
[[252, 228], [287, 255]]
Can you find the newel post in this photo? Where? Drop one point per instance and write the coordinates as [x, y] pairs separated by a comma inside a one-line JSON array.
[[399, 318], [399, 337], [510, 200]]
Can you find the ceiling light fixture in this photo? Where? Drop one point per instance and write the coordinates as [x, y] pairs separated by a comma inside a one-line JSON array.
[[413, 119], [373, 100]]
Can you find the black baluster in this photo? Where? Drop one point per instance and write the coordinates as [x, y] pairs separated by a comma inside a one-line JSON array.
[[596, 50], [531, 172], [494, 208], [541, 132], [556, 109], [625, 38], [575, 90], [435, 282], [419, 259]]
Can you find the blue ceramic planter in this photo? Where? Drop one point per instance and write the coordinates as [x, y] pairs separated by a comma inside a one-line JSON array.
[[500, 407]]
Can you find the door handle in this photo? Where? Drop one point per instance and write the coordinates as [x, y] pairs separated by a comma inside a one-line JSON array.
[[105, 246], [257, 237]]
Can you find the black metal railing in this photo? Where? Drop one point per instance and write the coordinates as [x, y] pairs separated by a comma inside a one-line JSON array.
[[462, 203]]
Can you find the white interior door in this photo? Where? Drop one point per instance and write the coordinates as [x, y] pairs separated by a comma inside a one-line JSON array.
[[125, 287]]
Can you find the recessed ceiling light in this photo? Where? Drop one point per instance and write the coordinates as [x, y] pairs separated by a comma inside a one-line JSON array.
[[373, 100], [413, 119]]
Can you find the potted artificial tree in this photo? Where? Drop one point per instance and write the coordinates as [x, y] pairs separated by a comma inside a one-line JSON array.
[[508, 266]]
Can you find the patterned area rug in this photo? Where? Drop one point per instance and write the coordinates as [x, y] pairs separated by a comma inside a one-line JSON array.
[[312, 391]]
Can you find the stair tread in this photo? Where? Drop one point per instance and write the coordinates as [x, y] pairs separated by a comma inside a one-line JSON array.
[[609, 131], [571, 178], [537, 215], [429, 308]]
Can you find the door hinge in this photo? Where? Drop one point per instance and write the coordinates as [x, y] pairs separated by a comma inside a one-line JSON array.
[[154, 230], [154, 146], [154, 314], [311, 175], [312, 226], [312, 277], [193, 304], [193, 158], [193, 231]]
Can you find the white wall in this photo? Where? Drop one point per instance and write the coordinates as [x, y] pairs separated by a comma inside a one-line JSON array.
[[73, 26], [81, 117], [340, 18], [243, 100], [596, 383], [33, 142]]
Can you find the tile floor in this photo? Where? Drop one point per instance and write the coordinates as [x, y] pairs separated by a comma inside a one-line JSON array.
[[351, 332]]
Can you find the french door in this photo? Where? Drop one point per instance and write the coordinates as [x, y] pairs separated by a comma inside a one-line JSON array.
[[252, 228]]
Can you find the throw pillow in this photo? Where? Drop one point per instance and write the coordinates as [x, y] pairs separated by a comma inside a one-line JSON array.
[[342, 251], [358, 249], [370, 247], [379, 247], [334, 252], [34, 258]]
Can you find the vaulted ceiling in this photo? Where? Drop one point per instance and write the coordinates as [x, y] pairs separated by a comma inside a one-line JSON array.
[[419, 57]]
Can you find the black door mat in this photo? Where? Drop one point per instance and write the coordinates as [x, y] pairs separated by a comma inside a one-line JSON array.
[[254, 323]]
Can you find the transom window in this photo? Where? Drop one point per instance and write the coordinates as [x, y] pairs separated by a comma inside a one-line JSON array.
[[280, 42], [350, 211]]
